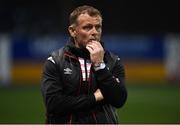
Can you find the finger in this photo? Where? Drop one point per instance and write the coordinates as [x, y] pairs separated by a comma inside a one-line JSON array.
[[96, 44], [90, 49], [95, 48], [91, 46]]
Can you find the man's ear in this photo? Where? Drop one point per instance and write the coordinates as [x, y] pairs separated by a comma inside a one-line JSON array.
[[72, 31]]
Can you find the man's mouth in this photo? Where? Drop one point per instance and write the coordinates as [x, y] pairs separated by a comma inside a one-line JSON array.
[[93, 40]]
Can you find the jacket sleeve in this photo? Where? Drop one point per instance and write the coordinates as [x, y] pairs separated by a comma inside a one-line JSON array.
[[112, 84], [52, 90]]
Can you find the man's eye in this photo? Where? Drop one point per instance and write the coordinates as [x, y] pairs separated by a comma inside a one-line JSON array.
[[87, 27], [98, 28]]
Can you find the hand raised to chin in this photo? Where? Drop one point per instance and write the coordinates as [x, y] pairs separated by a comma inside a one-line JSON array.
[[96, 52]]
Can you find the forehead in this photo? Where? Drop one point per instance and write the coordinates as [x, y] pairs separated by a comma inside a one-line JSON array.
[[85, 19]]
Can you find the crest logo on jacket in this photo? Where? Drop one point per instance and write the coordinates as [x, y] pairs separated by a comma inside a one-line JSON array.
[[67, 71]]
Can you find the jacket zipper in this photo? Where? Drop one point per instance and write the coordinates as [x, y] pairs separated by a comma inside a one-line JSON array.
[[85, 66], [90, 83], [70, 119], [94, 116]]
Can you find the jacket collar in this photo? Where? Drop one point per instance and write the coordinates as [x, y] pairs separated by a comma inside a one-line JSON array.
[[78, 52]]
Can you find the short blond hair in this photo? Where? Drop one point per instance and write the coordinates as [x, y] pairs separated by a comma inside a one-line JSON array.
[[81, 10]]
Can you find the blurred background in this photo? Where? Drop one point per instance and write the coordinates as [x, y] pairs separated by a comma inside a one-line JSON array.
[[145, 35]]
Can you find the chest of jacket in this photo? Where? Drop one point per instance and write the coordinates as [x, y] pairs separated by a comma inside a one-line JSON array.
[[71, 74], [72, 77]]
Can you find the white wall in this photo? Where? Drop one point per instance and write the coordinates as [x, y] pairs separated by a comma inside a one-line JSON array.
[[5, 59], [172, 58]]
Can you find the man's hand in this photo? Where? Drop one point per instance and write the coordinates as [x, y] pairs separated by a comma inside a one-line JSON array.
[[98, 95], [96, 52]]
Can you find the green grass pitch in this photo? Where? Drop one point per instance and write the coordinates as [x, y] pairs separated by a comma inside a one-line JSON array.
[[145, 104]]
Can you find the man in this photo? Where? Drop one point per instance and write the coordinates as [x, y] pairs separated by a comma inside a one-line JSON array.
[[82, 82]]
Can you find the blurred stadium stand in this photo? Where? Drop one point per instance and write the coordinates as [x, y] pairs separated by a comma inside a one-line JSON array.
[[135, 30]]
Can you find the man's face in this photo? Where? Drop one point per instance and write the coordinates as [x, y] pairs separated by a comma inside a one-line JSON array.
[[87, 29]]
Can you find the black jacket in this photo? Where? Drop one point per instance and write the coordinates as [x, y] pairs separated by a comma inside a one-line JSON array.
[[68, 99]]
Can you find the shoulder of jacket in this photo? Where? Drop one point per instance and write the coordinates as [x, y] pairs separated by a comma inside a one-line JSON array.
[[56, 55], [113, 56], [111, 59]]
